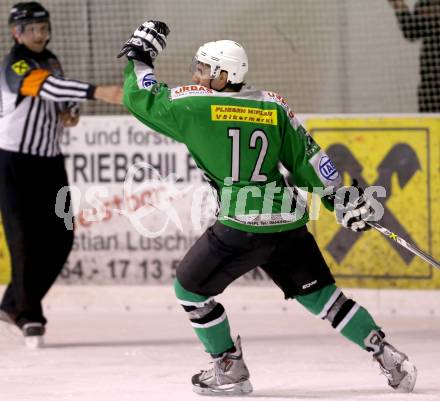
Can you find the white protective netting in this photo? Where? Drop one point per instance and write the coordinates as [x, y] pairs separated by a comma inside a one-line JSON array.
[[323, 56]]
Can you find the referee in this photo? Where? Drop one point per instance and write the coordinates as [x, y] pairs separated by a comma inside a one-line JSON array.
[[36, 102]]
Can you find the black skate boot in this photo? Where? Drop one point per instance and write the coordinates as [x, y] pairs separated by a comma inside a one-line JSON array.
[[33, 334], [399, 371], [227, 375]]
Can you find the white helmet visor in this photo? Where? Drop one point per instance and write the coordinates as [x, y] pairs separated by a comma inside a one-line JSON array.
[[203, 71]]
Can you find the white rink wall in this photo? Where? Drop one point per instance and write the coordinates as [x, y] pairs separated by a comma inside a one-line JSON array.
[[254, 299]]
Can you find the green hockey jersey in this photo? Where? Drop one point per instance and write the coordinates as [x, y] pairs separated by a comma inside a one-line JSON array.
[[238, 140]]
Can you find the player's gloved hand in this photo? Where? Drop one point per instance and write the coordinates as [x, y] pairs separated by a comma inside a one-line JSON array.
[[352, 208], [146, 42]]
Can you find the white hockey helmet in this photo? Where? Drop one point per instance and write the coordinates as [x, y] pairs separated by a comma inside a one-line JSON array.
[[224, 55]]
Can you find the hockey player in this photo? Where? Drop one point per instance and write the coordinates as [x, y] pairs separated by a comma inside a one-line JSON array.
[[36, 103], [237, 137]]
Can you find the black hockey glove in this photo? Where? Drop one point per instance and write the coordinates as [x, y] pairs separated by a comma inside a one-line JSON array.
[[352, 208], [146, 42]]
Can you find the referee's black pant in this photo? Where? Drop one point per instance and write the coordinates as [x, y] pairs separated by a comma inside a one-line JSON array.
[[39, 242]]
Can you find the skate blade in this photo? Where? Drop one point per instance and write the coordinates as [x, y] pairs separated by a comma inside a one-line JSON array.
[[241, 388], [409, 381], [34, 342]]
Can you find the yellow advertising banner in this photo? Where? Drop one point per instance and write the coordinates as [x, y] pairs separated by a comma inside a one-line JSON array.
[[401, 155], [5, 263]]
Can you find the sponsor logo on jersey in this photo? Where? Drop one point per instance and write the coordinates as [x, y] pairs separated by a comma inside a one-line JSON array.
[[244, 114], [311, 147], [20, 67], [308, 285], [190, 90], [264, 219], [148, 80], [282, 102], [327, 168]]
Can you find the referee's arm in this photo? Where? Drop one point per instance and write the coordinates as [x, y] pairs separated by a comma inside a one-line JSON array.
[[43, 84]]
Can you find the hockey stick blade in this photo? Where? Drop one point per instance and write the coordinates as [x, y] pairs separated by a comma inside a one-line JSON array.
[[412, 248]]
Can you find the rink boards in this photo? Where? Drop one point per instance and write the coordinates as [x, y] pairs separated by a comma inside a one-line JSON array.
[[117, 241]]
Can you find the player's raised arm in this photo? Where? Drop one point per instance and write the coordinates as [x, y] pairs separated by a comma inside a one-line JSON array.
[[145, 98]]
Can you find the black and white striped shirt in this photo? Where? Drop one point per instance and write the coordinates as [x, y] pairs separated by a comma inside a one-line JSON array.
[[33, 94]]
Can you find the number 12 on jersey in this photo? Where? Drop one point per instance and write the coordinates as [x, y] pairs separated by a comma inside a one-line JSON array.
[[258, 134]]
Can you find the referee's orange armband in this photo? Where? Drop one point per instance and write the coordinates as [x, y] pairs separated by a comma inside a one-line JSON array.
[[32, 82]]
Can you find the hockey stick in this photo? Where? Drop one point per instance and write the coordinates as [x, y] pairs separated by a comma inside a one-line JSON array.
[[412, 248]]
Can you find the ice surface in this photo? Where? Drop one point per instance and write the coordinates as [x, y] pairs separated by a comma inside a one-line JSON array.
[[130, 356]]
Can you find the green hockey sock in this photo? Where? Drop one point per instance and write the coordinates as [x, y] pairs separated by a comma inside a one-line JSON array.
[[208, 319], [346, 316]]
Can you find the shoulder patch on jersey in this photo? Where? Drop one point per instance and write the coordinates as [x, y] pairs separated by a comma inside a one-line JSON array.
[[325, 169], [20, 67], [148, 80], [190, 90]]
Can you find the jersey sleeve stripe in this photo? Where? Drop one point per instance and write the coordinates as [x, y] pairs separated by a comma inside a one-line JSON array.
[[64, 92], [59, 89], [67, 83], [57, 98]]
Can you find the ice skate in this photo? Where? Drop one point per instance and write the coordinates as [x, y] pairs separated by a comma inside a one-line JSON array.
[[399, 371], [227, 375], [33, 335]]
